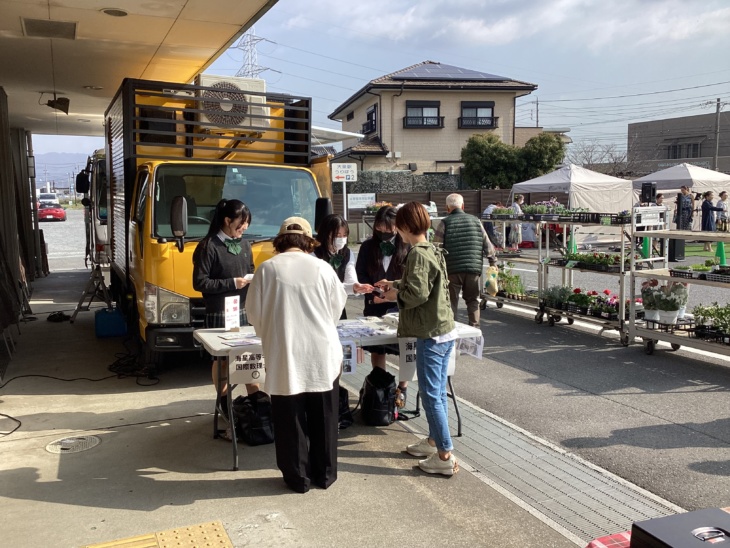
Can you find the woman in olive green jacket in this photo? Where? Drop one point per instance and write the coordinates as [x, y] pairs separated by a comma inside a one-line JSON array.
[[425, 313]]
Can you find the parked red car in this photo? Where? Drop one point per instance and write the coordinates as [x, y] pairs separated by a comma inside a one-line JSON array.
[[51, 212]]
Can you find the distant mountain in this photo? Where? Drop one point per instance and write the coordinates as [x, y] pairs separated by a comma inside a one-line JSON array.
[[59, 169]]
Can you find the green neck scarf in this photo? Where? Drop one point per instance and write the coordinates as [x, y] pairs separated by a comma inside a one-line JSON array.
[[388, 248], [233, 245], [336, 261]]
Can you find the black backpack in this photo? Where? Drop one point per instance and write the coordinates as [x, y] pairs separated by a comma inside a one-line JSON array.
[[253, 418], [377, 398]]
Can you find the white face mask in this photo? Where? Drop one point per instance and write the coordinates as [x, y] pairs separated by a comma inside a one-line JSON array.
[[340, 243]]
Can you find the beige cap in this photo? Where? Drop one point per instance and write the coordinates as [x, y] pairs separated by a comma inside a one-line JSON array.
[[306, 228]]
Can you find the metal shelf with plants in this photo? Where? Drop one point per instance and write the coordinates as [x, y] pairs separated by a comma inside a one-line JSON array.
[[664, 292], [554, 303]]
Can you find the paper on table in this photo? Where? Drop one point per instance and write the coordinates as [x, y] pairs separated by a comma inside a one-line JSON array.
[[249, 341]]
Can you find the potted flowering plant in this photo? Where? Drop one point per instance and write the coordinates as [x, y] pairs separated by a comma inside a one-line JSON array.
[[580, 301], [668, 300]]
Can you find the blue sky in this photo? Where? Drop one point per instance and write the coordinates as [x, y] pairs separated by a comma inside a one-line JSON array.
[[598, 64]]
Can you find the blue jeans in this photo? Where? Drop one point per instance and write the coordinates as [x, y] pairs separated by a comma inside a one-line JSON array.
[[432, 363]]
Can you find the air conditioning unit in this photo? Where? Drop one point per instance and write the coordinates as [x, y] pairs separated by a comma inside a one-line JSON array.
[[227, 104]]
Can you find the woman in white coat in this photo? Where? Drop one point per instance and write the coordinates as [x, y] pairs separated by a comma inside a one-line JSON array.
[[294, 302]]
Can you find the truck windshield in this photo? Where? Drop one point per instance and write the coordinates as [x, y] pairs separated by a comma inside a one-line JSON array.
[[271, 193]]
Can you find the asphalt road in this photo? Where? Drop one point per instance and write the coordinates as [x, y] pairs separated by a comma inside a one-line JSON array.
[[659, 421], [65, 241]]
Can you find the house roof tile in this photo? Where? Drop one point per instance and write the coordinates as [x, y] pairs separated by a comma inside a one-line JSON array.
[[435, 75], [369, 146]]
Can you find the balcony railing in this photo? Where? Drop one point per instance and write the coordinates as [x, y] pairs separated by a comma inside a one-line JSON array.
[[487, 122], [423, 122], [368, 127]]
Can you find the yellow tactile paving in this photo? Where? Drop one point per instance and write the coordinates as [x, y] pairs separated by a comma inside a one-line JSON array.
[[204, 535]]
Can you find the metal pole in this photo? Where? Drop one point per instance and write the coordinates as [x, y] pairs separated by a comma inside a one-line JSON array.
[[36, 229], [344, 199], [717, 135]]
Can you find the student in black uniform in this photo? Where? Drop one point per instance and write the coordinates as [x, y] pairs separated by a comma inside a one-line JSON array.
[[332, 237], [382, 258], [220, 263]]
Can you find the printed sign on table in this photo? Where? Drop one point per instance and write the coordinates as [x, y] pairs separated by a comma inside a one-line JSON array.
[[232, 313], [407, 359], [349, 357], [247, 368]]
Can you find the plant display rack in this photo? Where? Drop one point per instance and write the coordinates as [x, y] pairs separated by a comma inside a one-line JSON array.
[[683, 333], [551, 313]]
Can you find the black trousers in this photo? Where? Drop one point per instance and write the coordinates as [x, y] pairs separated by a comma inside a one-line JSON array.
[[305, 427]]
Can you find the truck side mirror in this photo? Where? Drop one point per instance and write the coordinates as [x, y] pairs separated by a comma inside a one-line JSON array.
[[82, 182], [179, 220], [322, 208]]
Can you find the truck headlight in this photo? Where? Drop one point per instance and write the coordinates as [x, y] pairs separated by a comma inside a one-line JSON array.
[[165, 307]]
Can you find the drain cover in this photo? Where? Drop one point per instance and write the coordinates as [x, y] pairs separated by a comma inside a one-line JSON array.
[[73, 445]]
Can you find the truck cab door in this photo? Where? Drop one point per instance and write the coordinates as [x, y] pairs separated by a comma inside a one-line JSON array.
[[139, 224]]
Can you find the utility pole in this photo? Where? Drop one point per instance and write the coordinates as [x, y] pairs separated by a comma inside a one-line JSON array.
[[717, 135], [537, 112]]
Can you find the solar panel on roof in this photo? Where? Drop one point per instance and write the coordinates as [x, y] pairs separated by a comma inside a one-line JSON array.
[[433, 71]]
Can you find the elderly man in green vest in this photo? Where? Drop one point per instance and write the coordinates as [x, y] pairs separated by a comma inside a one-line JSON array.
[[466, 243]]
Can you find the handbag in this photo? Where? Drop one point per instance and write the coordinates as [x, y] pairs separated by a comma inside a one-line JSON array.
[[377, 398], [252, 416]]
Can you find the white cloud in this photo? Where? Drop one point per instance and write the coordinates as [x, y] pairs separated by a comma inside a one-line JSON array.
[[596, 24]]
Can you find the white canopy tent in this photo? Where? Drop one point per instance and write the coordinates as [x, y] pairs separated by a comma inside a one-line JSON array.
[[698, 179], [587, 189]]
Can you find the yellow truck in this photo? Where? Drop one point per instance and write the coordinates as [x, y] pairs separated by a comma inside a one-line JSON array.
[[172, 152]]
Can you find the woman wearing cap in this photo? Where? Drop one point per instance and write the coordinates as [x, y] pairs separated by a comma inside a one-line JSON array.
[[294, 302], [425, 313]]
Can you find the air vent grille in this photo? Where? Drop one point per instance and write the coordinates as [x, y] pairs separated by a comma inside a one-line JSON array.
[[43, 28]]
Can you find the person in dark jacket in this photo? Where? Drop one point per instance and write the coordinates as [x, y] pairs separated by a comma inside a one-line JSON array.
[[332, 237], [708, 216], [465, 242], [381, 257], [221, 262]]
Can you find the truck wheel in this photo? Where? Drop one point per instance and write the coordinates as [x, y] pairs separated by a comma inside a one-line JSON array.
[[676, 346], [500, 305], [570, 321]]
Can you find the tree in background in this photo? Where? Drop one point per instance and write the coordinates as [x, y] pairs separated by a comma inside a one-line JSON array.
[[490, 163], [541, 154], [605, 158]]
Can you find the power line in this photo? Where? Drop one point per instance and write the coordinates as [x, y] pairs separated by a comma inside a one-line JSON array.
[[637, 94]]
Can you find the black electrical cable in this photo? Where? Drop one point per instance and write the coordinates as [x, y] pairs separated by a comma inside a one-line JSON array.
[[12, 419]]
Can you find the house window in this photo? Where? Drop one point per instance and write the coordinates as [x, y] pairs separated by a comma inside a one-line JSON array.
[[423, 114], [693, 150], [350, 115], [674, 152], [477, 114], [371, 125]]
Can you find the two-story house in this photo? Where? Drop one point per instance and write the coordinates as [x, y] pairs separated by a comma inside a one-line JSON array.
[[419, 118]]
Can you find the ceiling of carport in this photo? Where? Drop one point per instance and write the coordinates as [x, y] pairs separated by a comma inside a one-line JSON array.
[[168, 40]]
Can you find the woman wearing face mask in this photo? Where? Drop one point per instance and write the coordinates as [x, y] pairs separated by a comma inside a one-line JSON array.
[[382, 257], [332, 237]]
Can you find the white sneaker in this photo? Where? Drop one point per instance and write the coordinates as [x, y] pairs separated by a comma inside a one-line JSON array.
[[421, 449], [434, 465]]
